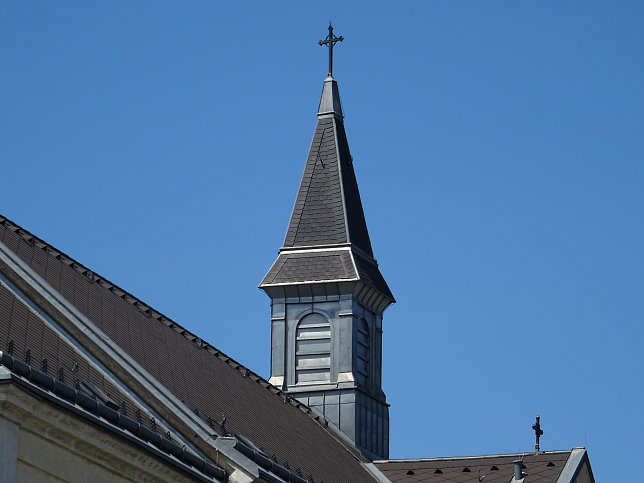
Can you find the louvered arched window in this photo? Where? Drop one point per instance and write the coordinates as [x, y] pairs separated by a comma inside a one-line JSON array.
[[313, 349]]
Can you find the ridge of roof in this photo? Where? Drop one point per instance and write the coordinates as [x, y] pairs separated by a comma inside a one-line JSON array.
[[245, 372]]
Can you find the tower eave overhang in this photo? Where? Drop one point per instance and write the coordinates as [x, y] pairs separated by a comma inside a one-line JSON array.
[[319, 266], [368, 295]]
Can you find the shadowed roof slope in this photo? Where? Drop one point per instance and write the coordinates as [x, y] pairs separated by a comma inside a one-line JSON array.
[[203, 378]]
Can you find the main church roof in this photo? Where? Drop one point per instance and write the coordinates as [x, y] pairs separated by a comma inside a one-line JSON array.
[[203, 380]]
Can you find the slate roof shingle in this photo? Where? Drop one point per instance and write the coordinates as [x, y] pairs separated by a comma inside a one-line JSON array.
[[327, 213], [328, 210], [541, 468], [311, 267]]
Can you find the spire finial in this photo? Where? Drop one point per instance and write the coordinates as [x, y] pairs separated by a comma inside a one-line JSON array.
[[330, 41], [538, 432]]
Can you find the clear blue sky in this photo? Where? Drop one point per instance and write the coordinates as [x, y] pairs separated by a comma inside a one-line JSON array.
[[499, 150]]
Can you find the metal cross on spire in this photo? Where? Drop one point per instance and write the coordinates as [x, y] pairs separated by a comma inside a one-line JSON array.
[[538, 432], [330, 41]]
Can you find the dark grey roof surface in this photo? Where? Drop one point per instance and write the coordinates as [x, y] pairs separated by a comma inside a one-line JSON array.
[[318, 214], [328, 210], [24, 336], [208, 381], [324, 266], [541, 468], [358, 234], [311, 267]]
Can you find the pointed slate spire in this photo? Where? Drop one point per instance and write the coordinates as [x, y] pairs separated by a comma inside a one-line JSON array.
[[327, 293], [328, 211]]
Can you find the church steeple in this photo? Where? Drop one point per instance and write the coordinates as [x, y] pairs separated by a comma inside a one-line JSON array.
[[327, 292]]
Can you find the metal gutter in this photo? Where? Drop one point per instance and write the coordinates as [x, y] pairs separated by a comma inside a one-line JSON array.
[[268, 464], [60, 394]]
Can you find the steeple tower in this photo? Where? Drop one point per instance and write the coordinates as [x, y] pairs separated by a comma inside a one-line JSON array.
[[327, 292]]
